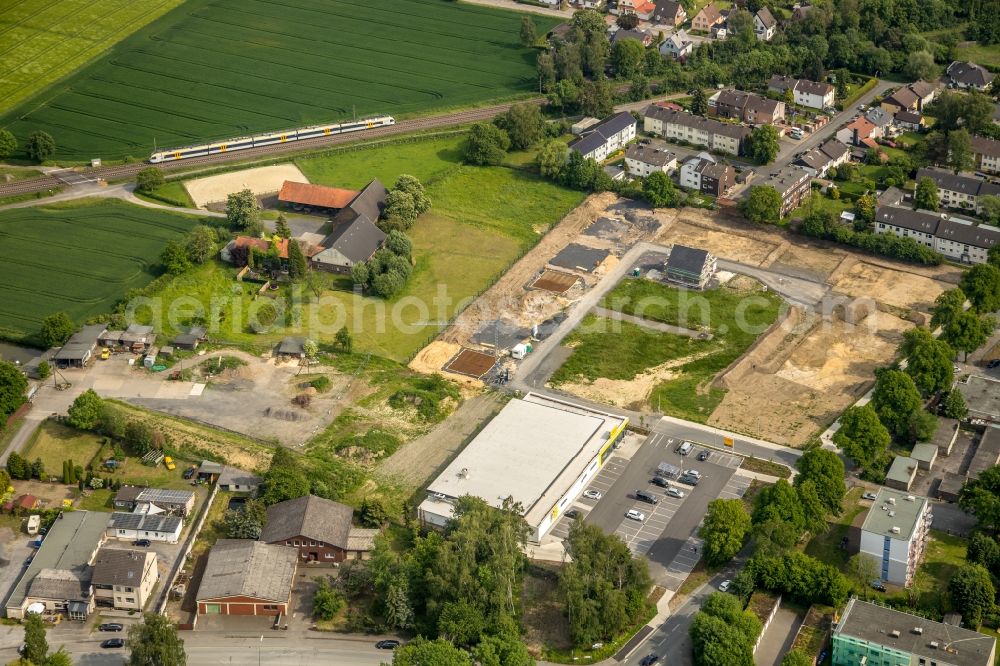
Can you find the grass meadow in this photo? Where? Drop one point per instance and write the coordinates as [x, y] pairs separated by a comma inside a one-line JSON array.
[[213, 69], [481, 220], [77, 259], [624, 350], [42, 41]]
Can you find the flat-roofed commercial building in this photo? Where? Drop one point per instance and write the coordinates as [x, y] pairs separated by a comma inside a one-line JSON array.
[[539, 451]]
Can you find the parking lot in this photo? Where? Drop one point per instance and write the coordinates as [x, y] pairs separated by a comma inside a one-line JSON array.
[[667, 534]]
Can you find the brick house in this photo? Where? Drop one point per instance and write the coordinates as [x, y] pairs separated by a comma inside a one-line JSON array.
[[319, 528]]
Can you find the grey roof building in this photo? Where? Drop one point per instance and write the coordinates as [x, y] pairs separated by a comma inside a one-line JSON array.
[[155, 527], [79, 349], [690, 266], [243, 568], [606, 136], [69, 546], [237, 480], [292, 346], [311, 517], [901, 473], [354, 238], [969, 75], [868, 633]]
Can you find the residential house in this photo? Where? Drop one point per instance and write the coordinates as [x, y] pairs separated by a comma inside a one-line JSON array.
[[881, 119], [154, 500], [908, 121], [319, 528], [764, 24], [810, 94], [642, 8], [354, 237], [957, 191], [925, 92], [677, 46], [792, 183], [894, 534], [606, 137], [58, 575], [669, 12], [869, 633], [955, 238], [646, 157], [703, 173], [155, 527], [969, 75], [986, 154], [124, 579], [682, 126], [706, 18], [746, 107], [912, 97], [638, 35], [690, 267], [800, 11], [859, 132], [822, 158], [247, 578]]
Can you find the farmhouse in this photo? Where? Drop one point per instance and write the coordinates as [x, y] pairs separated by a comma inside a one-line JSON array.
[[606, 137], [645, 157], [746, 107], [320, 528], [806, 93], [124, 579], [245, 577], [61, 566], [894, 534], [155, 527], [682, 126], [354, 238], [690, 267], [79, 349], [873, 634], [320, 197], [556, 448]]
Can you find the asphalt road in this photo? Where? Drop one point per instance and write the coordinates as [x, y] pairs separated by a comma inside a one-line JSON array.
[[609, 513], [743, 446]]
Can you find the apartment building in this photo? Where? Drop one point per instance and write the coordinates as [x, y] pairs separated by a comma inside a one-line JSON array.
[[894, 534], [682, 126], [792, 183], [955, 238], [958, 191]]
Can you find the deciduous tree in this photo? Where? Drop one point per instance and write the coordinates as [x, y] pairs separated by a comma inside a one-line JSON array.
[[948, 304], [529, 33], [981, 285], [13, 385], [154, 642], [953, 405], [486, 144], [894, 399], [968, 331], [56, 329], [40, 146], [627, 56], [149, 179], [243, 211], [36, 647], [926, 195], [248, 522], [862, 436], [85, 412], [928, 360], [920, 65], [412, 186], [8, 144], [724, 530], [960, 155], [327, 602], [174, 257], [826, 470], [972, 592], [423, 652], [552, 158], [699, 102], [524, 125], [200, 244], [762, 205], [980, 497], [764, 143], [659, 190]]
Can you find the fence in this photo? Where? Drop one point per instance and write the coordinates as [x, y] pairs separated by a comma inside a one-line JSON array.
[[161, 603]]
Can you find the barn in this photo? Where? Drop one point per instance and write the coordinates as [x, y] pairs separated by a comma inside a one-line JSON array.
[[247, 578], [305, 196]]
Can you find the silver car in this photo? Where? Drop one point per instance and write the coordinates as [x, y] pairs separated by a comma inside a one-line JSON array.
[[592, 494], [635, 515]]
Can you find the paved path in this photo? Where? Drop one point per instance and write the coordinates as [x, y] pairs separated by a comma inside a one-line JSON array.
[[650, 324]]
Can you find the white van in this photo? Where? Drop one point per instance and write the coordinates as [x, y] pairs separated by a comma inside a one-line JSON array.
[[684, 448], [34, 522]]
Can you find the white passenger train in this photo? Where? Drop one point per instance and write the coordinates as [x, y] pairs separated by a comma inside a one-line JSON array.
[[244, 142]]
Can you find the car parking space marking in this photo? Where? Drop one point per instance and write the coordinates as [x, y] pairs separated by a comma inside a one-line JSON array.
[[683, 563]]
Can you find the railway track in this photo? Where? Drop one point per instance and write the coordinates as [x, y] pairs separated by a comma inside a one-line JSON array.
[[127, 171]]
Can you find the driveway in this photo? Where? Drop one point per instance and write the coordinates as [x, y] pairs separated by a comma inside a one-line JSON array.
[[778, 637]]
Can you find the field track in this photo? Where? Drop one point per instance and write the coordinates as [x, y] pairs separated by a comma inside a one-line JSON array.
[[127, 171]]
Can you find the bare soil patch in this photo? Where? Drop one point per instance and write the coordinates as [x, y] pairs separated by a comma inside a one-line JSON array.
[[555, 281], [261, 180], [471, 363], [897, 288], [690, 231]]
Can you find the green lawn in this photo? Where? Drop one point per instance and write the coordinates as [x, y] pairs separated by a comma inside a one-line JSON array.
[[835, 206], [734, 317], [216, 69], [942, 558], [79, 259], [172, 194], [44, 41], [987, 56], [826, 546], [97, 500], [54, 443], [8, 174]]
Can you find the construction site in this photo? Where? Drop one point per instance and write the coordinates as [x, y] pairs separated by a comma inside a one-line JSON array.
[[847, 312]]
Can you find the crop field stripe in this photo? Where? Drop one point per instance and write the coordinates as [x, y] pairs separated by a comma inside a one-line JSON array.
[[93, 35], [212, 69]]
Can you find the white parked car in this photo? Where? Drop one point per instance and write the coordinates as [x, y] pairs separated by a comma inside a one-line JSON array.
[[635, 515], [724, 585], [693, 472], [675, 492], [592, 494]]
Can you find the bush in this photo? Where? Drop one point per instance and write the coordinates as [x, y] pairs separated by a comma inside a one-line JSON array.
[[321, 384]]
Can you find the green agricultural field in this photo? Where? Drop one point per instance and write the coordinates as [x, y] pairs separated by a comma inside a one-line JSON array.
[[214, 69], [42, 41], [79, 259]]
